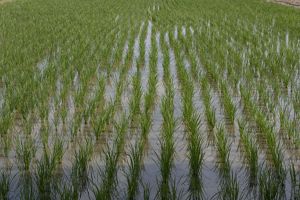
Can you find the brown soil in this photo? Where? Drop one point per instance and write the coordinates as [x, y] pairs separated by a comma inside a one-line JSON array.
[[4, 1], [295, 3]]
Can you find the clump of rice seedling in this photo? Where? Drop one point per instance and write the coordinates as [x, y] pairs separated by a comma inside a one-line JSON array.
[[5, 122], [120, 87], [25, 151], [43, 112], [58, 151], [145, 125], [150, 95], [44, 174], [133, 174], [80, 166], [210, 115], [44, 134], [174, 193], [267, 131], [166, 164], [196, 156], [223, 150], [56, 119], [288, 126], [268, 185], [192, 125], [121, 130], [99, 122], [26, 186], [75, 127], [229, 189], [167, 144], [6, 144], [63, 113], [277, 157], [67, 192], [5, 183], [46, 167], [229, 106], [112, 154], [296, 100], [109, 179], [274, 146], [146, 191], [295, 178], [136, 152], [251, 152], [28, 124], [99, 94], [246, 98], [209, 111], [137, 95]]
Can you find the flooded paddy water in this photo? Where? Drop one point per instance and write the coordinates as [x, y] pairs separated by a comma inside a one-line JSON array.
[[156, 109]]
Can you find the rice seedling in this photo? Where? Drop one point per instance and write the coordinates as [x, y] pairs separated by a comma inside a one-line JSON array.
[[209, 111], [63, 114], [75, 126], [274, 146], [120, 87], [67, 192], [166, 157], [136, 152], [223, 149], [80, 165], [146, 192], [28, 125], [25, 152], [296, 100], [25, 185], [6, 144], [64, 77], [174, 193], [165, 168], [5, 182], [251, 152], [268, 187], [46, 169], [100, 122], [5, 122], [99, 93], [109, 179], [58, 151], [294, 176], [44, 134], [247, 101], [137, 95], [229, 106], [196, 156], [135, 157], [192, 125], [151, 94], [288, 126], [230, 189], [44, 175]]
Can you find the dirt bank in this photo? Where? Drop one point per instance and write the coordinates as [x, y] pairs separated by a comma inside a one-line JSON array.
[[4, 1], [295, 3]]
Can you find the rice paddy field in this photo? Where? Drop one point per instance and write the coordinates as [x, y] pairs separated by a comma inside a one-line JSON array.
[[149, 99]]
